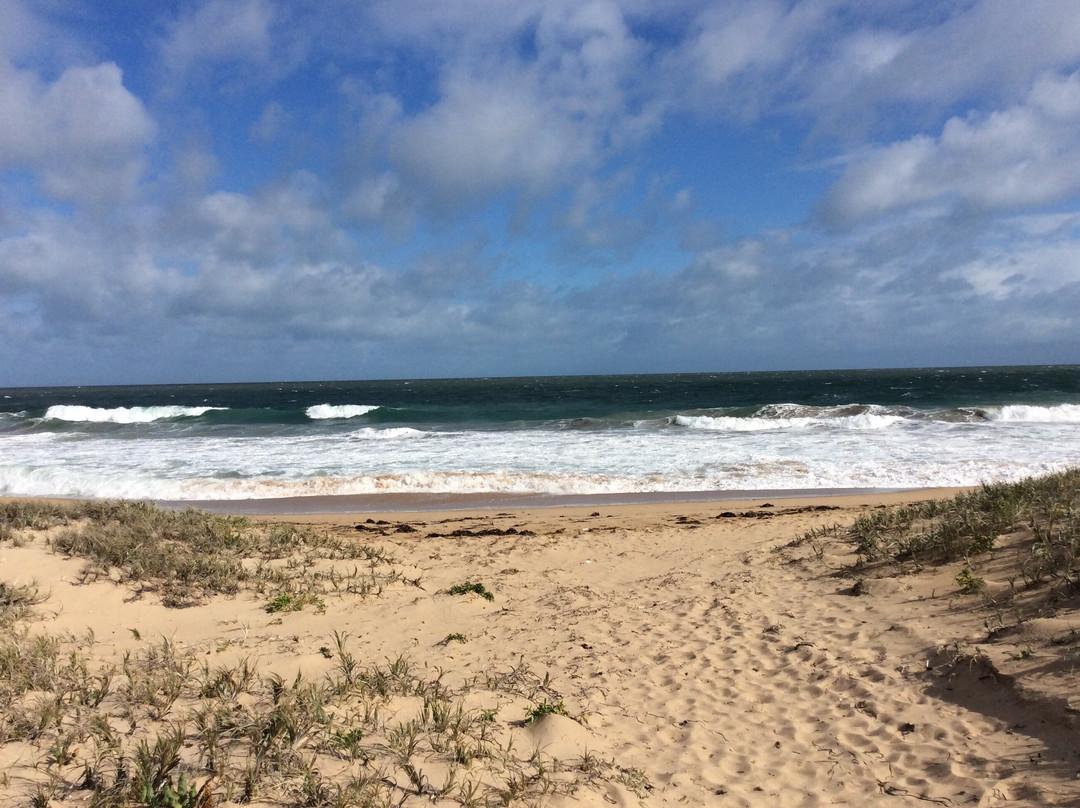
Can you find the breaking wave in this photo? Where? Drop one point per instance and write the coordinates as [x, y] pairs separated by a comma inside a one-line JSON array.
[[321, 412], [390, 433], [794, 416], [1030, 414], [122, 415]]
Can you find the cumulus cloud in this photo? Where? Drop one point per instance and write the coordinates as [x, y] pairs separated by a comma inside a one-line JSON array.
[[526, 103], [1028, 154], [1023, 262], [485, 137], [79, 284], [83, 133]]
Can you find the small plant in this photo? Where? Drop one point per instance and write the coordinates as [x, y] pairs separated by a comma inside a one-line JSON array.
[[981, 544], [968, 583], [469, 587], [545, 708], [16, 595], [453, 637], [285, 602], [181, 795], [348, 742], [326, 652]]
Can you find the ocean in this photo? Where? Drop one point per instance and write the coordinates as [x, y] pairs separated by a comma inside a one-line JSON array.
[[600, 437]]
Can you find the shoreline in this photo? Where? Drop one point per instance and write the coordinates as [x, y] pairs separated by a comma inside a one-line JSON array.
[[427, 504]]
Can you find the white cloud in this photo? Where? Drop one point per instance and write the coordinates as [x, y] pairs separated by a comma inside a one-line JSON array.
[[1028, 154], [372, 198], [846, 67], [527, 100], [81, 282], [83, 134], [286, 222], [735, 37], [488, 136], [21, 32], [993, 48], [220, 30], [1023, 269]]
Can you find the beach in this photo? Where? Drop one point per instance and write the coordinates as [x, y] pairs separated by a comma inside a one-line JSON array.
[[688, 653]]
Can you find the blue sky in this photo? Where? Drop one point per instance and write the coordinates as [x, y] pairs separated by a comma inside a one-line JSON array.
[[250, 190]]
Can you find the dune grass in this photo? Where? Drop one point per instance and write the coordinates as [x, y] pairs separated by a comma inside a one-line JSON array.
[[1029, 531], [167, 729], [165, 726], [189, 555]]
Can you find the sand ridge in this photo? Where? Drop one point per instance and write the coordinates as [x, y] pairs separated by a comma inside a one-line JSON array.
[[706, 653]]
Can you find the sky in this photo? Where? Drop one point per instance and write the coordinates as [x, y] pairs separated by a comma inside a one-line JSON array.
[[260, 190]]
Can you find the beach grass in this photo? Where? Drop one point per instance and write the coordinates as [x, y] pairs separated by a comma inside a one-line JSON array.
[[164, 726], [1026, 534], [189, 555], [938, 531], [191, 733]]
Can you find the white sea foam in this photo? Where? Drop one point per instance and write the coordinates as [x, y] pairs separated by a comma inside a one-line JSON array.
[[320, 412], [756, 423], [122, 415], [73, 484], [742, 476], [389, 433], [1059, 414]]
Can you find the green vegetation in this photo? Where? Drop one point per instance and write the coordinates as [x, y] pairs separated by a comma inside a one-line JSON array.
[[191, 741], [17, 602], [968, 583], [1026, 533], [189, 555], [468, 588], [545, 708], [286, 602], [970, 524]]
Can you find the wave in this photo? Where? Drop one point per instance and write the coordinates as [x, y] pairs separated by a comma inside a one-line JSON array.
[[321, 412], [747, 476], [796, 416], [860, 416], [64, 483], [122, 415], [391, 433], [1026, 413]]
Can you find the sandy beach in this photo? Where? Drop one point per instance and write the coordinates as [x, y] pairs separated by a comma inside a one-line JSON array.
[[688, 653]]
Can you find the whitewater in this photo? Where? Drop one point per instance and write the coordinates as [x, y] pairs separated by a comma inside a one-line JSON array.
[[585, 436]]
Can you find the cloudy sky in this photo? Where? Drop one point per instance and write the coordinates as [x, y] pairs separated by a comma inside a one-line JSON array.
[[243, 190]]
